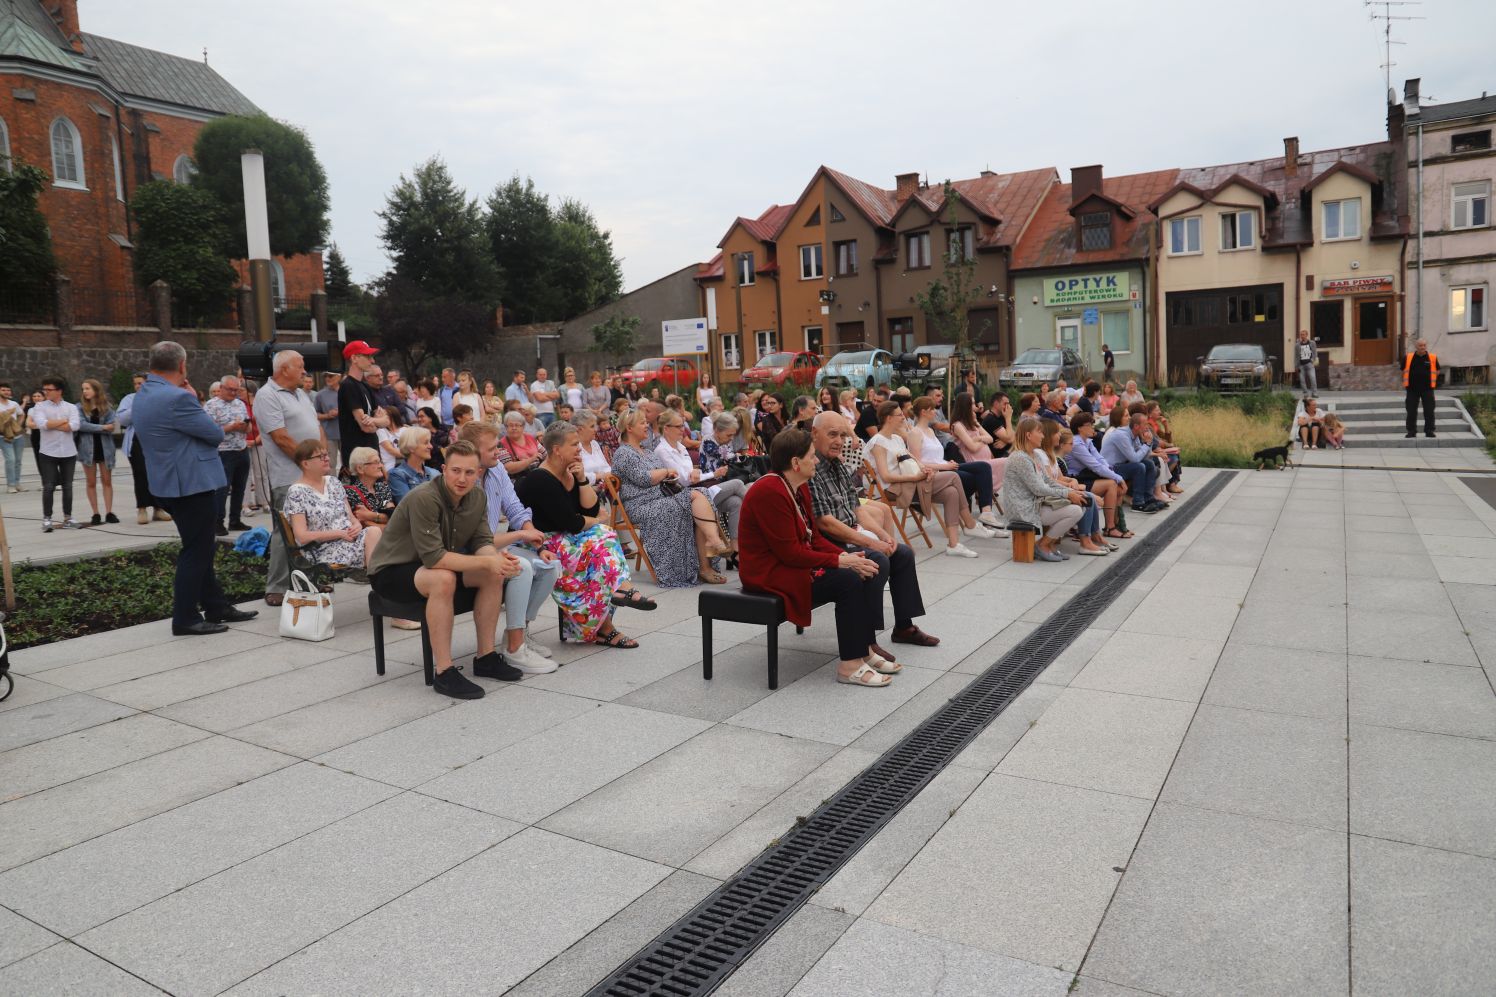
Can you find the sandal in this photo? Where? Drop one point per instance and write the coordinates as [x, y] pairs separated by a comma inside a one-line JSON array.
[[634, 599], [710, 578], [865, 675], [615, 639], [1117, 534], [883, 666]]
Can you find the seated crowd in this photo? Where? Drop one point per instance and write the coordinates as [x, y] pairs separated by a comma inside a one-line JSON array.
[[544, 493]]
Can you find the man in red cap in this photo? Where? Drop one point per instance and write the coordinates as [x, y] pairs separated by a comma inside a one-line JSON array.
[[359, 415]]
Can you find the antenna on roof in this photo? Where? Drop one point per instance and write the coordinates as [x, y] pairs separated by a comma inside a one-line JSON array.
[[1387, 16], [205, 55]]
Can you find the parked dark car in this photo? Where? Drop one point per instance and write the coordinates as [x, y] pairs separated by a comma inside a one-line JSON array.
[[1237, 367], [929, 365], [1043, 366]]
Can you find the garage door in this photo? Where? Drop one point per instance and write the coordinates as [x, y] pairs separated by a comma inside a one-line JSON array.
[[1198, 320]]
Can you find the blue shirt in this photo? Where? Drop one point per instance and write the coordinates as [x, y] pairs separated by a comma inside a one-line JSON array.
[[502, 502], [404, 477], [1121, 447], [445, 393], [1084, 453]]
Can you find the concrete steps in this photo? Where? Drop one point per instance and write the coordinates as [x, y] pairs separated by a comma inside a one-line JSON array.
[[1381, 422]]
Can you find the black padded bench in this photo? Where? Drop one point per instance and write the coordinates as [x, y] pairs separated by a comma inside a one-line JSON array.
[[764, 608], [380, 607]]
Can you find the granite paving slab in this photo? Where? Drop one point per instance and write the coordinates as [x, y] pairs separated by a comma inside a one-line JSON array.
[[739, 679], [198, 940], [873, 958], [56, 818], [20, 937], [892, 728], [1171, 929], [1024, 869], [319, 728], [1148, 664], [546, 890], [1443, 699], [1410, 636], [817, 707], [1301, 683], [94, 672], [991, 746], [30, 691], [784, 960], [1103, 741], [1426, 789], [56, 717], [73, 890], [675, 805], [532, 779], [1421, 919], [65, 968], [1292, 628]]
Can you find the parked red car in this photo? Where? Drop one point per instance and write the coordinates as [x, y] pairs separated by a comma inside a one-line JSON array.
[[670, 373], [780, 369]]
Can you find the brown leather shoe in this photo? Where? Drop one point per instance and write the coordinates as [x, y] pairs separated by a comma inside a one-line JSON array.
[[883, 653], [914, 635], [274, 598]]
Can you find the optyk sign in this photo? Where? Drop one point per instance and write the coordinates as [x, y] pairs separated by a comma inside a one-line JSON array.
[[1085, 289]]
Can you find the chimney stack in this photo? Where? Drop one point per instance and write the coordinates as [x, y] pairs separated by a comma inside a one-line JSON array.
[[64, 14], [1411, 96], [1084, 181], [905, 185], [1291, 156]]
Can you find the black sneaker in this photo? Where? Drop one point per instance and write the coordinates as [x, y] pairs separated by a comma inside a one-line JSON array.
[[110, 517], [221, 530], [239, 525], [96, 520], [493, 666], [455, 684]]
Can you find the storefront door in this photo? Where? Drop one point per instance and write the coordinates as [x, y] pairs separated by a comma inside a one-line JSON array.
[[1373, 331], [1068, 333]]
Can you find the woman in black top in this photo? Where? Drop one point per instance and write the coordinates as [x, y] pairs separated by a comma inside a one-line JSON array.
[[594, 574], [769, 420]]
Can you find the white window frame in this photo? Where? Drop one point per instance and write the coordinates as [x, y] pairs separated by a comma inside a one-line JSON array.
[[1461, 293], [75, 140], [820, 332], [732, 351], [1475, 190], [119, 170], [184, 169], [846, 257], [278, 284], [1239, 218], [1127, 317], [1061, 325], [1185, 227], [1342, 235], [761, 337], [4, 147], [812, 262], [746, 276], [917, 250]]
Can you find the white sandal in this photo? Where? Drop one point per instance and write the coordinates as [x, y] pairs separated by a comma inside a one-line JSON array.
[[865, 675], [883, 666]]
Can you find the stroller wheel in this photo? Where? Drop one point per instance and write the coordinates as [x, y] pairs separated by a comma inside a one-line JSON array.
[[9, 685]]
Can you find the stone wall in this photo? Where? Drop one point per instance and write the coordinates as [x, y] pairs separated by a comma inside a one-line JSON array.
[[28, 355]]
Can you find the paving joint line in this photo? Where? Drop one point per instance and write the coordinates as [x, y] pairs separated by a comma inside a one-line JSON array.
[[703, 948]]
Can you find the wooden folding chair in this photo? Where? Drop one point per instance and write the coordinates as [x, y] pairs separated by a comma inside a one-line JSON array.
[[878, 493], [621, 523]]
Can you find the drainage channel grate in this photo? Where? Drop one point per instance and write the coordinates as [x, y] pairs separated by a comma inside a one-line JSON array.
[[695, 954]]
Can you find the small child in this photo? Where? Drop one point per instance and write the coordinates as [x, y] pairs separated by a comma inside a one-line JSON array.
[[1334, 431]]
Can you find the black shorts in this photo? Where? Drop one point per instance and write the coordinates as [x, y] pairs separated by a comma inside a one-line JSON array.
[[397, 582], [1087, 477]]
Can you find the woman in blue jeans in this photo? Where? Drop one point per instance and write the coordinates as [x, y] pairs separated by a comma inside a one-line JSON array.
[[1056, 444]]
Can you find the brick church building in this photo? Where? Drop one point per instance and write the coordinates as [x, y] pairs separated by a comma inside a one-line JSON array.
[[102, 117]]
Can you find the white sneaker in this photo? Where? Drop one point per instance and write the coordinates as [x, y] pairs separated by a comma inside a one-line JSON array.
[[539, 649], [960, 550], [15, 489], [71, 524], [46, 526], [985, 532], [530, 664], [988, 519]]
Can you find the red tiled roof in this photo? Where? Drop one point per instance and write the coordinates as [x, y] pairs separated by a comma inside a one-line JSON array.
[[876, 203], [1006, 200], [765, 227], [713, 269], [1050, 239]]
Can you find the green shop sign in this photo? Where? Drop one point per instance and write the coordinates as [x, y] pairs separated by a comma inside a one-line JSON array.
[[1085, 290]]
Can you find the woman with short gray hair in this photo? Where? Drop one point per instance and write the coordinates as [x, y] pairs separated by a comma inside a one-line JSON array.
[[594, 459], [412, 472], [727, 493]]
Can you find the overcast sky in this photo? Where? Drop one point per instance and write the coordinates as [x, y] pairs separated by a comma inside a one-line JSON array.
[[671, 119]]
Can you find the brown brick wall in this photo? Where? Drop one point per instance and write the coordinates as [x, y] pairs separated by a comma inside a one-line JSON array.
[[28, 355]]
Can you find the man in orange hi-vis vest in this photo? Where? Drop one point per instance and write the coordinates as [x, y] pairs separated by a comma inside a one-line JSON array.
[[1420, 377]]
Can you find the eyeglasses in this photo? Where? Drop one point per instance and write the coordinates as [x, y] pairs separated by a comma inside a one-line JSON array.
[[321, 456]]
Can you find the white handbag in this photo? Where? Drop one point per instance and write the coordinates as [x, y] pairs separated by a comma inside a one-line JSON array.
[[306, 614]]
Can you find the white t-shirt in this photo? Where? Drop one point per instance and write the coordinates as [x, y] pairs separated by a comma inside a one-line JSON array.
[[895, 448], [705, 397], [542, 408], [931, 450], [594, 462], [473, 401], [573, 395], [56, 442], [385, 436]]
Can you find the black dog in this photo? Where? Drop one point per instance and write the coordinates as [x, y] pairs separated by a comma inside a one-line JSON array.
[[1274, 455]]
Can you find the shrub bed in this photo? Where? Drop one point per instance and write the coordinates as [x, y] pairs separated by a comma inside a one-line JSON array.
[[1482, 408], [73, 598]]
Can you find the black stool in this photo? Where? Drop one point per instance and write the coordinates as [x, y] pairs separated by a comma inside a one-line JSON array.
[[764, 608], [380, 607]]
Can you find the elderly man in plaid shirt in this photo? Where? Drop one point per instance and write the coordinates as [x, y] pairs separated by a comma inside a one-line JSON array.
[[843, 519]]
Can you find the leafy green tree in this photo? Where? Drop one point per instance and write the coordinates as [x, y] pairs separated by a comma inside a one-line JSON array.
[[296, 194], [418, 326], [27, 264], [615, 335], [556, 262], [181, 237], [946, 302], [435, 240], [337, 279]]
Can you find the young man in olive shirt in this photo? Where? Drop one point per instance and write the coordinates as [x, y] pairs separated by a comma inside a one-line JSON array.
[[438, 539]]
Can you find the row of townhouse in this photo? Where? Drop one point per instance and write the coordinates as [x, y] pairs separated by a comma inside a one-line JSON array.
[[1158, 266]]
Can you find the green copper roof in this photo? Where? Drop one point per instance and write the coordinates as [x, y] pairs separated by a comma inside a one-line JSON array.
[[20, 40]]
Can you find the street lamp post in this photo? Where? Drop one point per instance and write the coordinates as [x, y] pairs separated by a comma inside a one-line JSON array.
[[257, 229]]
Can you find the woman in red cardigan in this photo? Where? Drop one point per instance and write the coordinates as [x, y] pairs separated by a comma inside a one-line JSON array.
[[781, 551]]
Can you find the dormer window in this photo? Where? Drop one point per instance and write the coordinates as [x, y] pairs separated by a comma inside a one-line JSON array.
[[1095, 230], [1342, 219], [1238, 230], [745, 269]]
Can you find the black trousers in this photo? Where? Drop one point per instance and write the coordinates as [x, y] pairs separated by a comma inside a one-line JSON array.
[[976, 479], [143, 497], [903, 584], [1414, 396], [196, 585], [236, 469], [859, 602], [56, 471]]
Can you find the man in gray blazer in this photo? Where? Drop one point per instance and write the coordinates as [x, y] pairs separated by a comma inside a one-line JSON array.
[[180, 443]]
